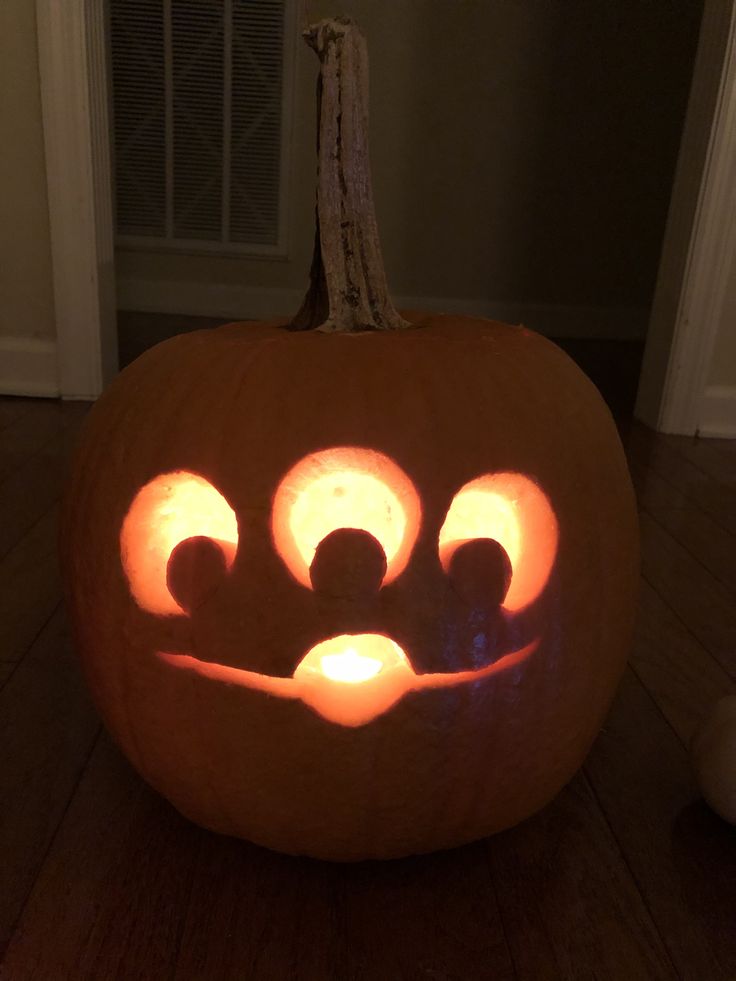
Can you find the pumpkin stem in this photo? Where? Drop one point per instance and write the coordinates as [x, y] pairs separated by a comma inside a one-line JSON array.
[[347, 290]]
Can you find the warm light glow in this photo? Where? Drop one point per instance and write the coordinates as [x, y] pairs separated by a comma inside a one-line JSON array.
[[348, 701], [352, 678], [346, 499], [511, 509], [169, 509], [345, 487], [349, 667], [480, 513]]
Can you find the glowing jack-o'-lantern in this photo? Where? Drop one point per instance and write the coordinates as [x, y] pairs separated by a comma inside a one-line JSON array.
[[352, 593], [349, 679]]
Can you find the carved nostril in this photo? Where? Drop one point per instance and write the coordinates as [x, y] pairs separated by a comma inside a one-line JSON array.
[[195, 569], [349, 563], [480, 572]]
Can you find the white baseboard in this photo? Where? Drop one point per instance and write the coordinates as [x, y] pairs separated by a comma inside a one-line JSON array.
[[718, 412], [246, 302], [28, 367]]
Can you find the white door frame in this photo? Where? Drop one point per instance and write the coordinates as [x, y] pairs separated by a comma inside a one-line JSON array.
[[699, 240], [72, 54], [699, 245]]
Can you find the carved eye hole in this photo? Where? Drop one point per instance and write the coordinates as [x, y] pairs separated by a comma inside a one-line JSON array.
[[167, 511], [345, 487], [510, 509]]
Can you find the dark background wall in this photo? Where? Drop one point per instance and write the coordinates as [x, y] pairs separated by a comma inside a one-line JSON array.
[[523, 154]]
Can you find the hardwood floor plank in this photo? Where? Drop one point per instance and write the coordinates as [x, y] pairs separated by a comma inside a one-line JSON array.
[[30, 491], [654, 492], [109, 901], [29, 587], [678, 672], [12, 408], [439, 915], [725, 447], [256, 914], [27, 495], [701, 602], [682, 856], [715, 457], [123, 863], [713, 497], [703, 537], [42, 422], [570, 908], [47, 727]]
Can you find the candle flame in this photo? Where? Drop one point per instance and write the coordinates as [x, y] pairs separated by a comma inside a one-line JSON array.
[[349, 666]]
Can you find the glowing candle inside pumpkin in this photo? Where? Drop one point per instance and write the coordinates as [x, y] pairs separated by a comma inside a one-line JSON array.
[[352, 678], [350, 667], [353, 658]]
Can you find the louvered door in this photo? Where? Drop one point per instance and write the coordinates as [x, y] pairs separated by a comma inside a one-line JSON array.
[[201, 98]]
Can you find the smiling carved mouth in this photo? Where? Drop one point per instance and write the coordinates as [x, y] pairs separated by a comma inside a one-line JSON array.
[[350, 679]]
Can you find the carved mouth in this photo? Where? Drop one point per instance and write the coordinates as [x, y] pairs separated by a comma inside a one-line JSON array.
[[350, 679]]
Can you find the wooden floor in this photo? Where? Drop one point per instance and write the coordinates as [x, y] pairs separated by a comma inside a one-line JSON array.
[[626, 875]]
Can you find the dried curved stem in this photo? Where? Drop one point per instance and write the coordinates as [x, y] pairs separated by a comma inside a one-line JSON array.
[[347, 290]]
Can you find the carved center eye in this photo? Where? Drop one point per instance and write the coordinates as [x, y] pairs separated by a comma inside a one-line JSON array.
[[348, 563], [345, 488]]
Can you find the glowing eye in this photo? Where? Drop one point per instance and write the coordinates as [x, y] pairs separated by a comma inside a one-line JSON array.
[[345, 487], [511, 509], [166, 511]]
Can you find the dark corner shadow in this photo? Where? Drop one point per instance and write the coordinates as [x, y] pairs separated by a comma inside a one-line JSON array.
[[704, 855]]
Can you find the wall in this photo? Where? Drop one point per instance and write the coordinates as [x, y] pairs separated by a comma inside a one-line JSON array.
[[522, 154], [687, 383], [723, 365], [27, 359], [718, 404]]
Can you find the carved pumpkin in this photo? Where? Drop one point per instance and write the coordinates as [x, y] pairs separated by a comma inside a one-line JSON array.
[[351, 593]]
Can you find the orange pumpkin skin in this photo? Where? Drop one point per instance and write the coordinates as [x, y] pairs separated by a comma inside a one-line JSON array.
[[450, 400]]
